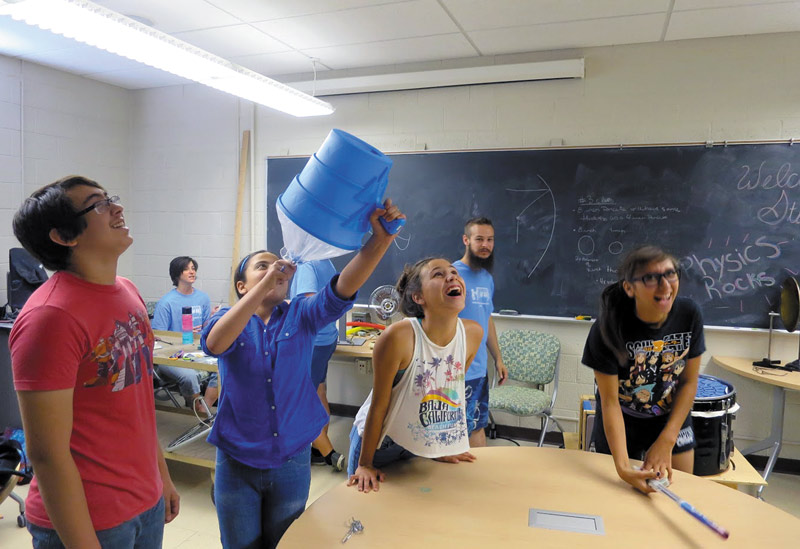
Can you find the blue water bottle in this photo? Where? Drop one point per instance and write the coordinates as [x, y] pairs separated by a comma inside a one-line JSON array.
[[186, 325]]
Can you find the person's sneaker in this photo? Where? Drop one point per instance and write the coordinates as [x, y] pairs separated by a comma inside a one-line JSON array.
[[336, 460], [317, 458]]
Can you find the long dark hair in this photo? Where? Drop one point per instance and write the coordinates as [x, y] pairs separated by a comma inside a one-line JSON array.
[[615, 305]]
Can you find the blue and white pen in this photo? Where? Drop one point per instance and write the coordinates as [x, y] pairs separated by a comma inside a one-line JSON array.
[[661, 486]]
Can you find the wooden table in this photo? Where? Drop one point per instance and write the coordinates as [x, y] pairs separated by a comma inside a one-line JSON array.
[[791, 381], [171, 424], [171, 343], [738, 473], [424, 503], [355, 351]]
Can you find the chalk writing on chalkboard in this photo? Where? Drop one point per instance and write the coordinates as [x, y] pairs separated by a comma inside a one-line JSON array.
[[564, 218]]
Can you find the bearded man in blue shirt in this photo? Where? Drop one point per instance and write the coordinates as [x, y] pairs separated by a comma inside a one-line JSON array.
[[475, 267]]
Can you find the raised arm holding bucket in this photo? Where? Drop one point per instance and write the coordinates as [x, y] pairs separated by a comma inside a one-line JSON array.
[[325, 211], [269, 411]]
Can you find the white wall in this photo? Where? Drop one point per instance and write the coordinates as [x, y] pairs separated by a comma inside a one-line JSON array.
[[184, 155], [54, 124], [184, 165]]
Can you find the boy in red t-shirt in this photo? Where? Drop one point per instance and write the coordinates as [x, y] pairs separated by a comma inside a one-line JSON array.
[[81, 352]]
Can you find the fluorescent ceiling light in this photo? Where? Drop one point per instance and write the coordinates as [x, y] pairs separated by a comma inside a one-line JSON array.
[[440, 78], [108, 30]]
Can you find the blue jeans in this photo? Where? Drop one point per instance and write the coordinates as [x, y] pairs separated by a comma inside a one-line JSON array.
[[144, 531], [256, 506], [188, 380], [389, 452]]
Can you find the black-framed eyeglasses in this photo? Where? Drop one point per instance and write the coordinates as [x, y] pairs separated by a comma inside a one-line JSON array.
[[99, 207], [652, 280]]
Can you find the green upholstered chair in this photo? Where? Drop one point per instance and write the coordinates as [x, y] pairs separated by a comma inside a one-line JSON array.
[[532, 362]]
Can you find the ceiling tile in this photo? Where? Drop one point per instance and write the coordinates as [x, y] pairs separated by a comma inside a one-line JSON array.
[[734, 21], [232, 41], [347, 34], [273, 64], [173, 15], [250, 11], [362, 25], [580, 34], [393, 52], [479, 14]]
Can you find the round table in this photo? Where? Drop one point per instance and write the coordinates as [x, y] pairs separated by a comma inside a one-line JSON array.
[[781, 383], [424, 503]]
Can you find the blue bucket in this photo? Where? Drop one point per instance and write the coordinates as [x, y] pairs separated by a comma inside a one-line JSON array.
[[353, 159], [339, 187]]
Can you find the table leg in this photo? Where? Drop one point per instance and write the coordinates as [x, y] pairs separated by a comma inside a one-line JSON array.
[[774, 440]]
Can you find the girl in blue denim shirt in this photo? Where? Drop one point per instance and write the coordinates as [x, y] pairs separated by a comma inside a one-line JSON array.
[[269, 411]]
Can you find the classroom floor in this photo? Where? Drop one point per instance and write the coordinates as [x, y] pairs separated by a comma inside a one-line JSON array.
[[196, 526]]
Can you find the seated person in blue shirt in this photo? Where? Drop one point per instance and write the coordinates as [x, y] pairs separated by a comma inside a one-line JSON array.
[[167, 316], [269, 411]]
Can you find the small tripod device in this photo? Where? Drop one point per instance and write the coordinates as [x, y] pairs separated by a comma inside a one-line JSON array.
[[768, 362]]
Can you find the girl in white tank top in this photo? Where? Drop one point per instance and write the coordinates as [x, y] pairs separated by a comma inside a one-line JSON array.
[[417, 403], [426, 410]]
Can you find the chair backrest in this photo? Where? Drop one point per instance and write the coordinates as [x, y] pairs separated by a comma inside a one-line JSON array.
[[530, 356]]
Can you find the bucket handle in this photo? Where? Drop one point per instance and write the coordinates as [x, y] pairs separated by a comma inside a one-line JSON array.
[[392, 227]]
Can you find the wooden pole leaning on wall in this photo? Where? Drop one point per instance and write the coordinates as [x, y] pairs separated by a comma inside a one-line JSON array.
[[237, 228]]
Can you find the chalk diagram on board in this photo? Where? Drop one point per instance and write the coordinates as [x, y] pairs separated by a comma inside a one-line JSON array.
[[521, 218], [586, 246]]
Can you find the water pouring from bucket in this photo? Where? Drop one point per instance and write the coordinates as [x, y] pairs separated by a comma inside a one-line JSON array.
[[325, 210]]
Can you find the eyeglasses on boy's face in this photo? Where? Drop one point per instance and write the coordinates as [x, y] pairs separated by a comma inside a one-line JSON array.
[[652, 280], [99, 207]]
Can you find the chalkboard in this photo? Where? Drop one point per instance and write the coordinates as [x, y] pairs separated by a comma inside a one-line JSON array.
[[564, 218]]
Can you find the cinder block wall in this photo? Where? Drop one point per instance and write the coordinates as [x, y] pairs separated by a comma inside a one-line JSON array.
[[54, 124]]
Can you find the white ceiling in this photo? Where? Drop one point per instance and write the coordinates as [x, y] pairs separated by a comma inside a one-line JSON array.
[[279, 38]]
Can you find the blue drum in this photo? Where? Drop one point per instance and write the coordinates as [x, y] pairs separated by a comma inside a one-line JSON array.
[[712, 420]]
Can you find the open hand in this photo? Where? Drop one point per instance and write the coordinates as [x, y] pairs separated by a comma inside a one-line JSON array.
[[366, 478], [457, 458]]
